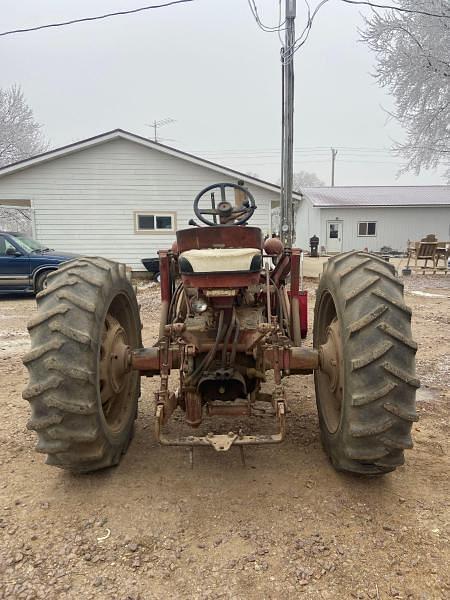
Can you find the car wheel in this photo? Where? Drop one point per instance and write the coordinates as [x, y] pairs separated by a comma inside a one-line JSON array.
[[41, 281]]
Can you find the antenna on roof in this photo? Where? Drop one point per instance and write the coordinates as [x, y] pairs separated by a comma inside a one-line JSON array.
[[157, 124]]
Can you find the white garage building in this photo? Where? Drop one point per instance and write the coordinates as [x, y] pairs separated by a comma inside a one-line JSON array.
[[354, 218], [118, 195]]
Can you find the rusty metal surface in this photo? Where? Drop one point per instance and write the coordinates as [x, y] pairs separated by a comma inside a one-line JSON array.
[[164, 269], [220, 280], [282, 268], [194, 411], [224, 351], [149, 359], [228, 409], [221, 442], [303, 359], [114, 371], [331, 363], [219, 237]]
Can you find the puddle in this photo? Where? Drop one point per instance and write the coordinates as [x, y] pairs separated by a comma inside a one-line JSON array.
[[428, 394], [428, 294], [12, 347]]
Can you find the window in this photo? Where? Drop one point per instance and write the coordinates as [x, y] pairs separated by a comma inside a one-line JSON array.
[[28, 244], [334, 231], [5, 246], [367, 228], [154, 222]]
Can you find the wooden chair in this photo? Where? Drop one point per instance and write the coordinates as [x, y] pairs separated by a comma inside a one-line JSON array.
[[442, 251], [422, 251]]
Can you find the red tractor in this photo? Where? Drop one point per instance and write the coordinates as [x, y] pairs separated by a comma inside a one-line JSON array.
[[231, 313]]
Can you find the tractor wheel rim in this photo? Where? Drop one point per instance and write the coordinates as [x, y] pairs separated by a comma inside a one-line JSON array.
[[114, 373], [331, 359], [331, 372]]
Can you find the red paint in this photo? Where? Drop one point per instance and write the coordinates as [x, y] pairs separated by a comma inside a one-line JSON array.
[[164, 269], [234, 236], [303, 306], [273, 247], [220, 280]]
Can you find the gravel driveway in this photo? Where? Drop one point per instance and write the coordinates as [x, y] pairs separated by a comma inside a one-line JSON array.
[[284, 526]]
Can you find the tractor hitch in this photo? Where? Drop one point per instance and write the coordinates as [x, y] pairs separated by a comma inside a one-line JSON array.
[[222, 442]]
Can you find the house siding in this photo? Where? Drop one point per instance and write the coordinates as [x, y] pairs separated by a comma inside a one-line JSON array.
[[85, 202], [307, 223], [394, 225]]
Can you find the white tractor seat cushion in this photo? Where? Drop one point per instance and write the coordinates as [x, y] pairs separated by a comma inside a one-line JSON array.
[[210, 260]]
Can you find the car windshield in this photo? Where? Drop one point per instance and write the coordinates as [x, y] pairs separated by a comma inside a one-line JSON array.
[[28, 244]]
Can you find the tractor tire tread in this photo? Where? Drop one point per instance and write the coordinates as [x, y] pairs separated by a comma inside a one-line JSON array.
[[62, 389], [359, 289], [367, 319], [379, 365]]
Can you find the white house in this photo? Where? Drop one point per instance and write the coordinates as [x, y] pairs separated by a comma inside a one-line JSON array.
[[354, 218], [118, 195]]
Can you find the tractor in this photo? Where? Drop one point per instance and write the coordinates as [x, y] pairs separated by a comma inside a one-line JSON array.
[[232, 319]]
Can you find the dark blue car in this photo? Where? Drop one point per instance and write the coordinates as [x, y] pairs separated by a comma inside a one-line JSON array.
[[25, 263]]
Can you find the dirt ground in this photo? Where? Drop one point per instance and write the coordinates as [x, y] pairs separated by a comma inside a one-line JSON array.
[[286, 525]]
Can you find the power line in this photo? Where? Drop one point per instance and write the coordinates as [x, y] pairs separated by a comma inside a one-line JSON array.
[[261, 25], [96, 18], [288, 53], [307, 161], [257, 153], [397, 8]]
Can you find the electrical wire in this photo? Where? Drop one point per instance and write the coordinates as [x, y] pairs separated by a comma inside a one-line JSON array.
[[279, 23], [276, 150], [95, 18], [288, 53], [397, 8], [261, 25]]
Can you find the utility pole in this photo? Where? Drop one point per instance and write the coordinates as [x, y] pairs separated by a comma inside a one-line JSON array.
[[157, 124], [333, 158], [287, 167]]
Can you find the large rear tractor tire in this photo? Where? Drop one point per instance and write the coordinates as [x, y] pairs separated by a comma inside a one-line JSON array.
[[83, 396], [366, 385]]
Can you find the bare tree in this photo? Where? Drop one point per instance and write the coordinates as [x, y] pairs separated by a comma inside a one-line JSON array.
[[413, 62], [305, 179], [15, 219], [20, 135], [302, 179]]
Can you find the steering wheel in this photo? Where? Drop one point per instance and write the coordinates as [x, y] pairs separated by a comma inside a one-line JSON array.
[[225, 213]]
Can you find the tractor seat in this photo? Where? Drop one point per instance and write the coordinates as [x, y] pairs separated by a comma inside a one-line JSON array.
[[224, 260]]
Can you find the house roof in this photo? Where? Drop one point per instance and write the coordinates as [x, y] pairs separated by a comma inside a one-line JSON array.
[[132, 137], [371, 196]]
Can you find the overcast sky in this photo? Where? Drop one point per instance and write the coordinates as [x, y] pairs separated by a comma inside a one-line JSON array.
[[208, 66]]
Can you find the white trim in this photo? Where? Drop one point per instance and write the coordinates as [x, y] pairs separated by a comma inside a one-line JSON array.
[[327, 230], [152, 213], [33, 218], [3, 204], [371, 235]]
